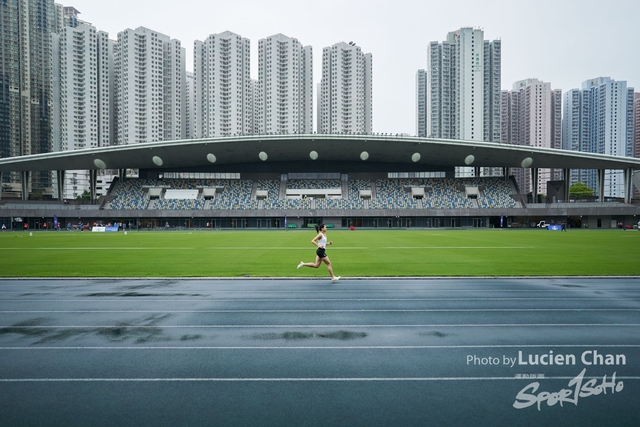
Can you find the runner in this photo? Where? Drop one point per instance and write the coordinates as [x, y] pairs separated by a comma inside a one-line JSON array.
[[321, 242]]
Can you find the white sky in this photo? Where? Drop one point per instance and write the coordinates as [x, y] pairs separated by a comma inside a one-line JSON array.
[[564, 42]]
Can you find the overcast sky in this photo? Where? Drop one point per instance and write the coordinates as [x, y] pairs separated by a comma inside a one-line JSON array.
[[563, 42]]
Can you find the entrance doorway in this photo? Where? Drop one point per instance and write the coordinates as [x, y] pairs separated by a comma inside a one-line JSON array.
[[312, 222]]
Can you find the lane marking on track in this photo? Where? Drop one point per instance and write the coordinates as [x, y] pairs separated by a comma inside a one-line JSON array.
[[406, 379], [133, 298], [363, 347], [290, 291], [357, 310], [262, 326]]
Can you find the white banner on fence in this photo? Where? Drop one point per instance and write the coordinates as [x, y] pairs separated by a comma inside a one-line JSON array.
[[101, 229]]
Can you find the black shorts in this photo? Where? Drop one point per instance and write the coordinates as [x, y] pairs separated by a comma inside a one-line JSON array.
[[320, 252]]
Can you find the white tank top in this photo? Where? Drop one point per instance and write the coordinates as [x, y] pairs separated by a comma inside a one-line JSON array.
[[322, 242]]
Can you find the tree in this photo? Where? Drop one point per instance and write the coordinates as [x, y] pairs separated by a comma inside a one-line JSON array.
[[84, 196], [580, 191], [37, 193]]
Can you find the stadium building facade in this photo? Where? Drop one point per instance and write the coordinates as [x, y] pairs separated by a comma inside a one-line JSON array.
[[270, 181]]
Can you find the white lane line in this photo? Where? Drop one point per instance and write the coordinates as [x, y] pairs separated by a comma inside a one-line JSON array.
[[25, 292], [104, 248], [262, 326], [342, 248], [132, 298], [362, 347], [435, 310], [262, 248], [405, 379], [293, 284]]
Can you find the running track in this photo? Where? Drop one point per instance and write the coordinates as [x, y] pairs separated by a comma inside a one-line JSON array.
[[361, 352]]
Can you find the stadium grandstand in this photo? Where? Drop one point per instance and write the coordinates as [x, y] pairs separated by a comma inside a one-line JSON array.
[[295, 181]]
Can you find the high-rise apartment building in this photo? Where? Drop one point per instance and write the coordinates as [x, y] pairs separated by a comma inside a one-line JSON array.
[[556, 130], [150, 79], [533, 117], [599, 119], [189, 116], [222, 86], [26, 92], [66, 16], [175, 88], [505, 116], [463, 88], [252, 101], [77, 91], [636, 134], [106, 87], [83, 107], [421, 103], [284, 93], [346, 90], [636, 125], [463, 92]]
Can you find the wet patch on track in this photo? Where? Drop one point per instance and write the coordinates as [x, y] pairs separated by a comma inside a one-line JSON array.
[[144, 330], [298, 336]]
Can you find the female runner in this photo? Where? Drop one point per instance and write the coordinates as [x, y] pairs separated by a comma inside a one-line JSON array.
[[321, 242]]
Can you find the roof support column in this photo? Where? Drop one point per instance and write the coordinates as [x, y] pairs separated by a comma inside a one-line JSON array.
[[121, 174], [93, 178], [600, 185], [505, 174], [26, 177], [534, 184], [628, 186], [60, 184], [0, 185], [566, 175]]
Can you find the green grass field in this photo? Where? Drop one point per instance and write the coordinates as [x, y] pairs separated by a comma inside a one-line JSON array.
[[359, 253]]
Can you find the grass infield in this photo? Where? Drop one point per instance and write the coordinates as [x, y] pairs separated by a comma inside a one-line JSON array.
[[359, 253]]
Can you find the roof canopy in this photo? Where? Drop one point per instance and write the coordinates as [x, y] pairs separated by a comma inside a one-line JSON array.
[[306, 152]]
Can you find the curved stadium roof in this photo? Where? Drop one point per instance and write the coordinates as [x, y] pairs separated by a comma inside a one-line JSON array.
[[292, 152]]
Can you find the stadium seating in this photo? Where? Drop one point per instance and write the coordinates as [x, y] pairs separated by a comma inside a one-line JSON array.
[[129, 195], [381, 194]]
